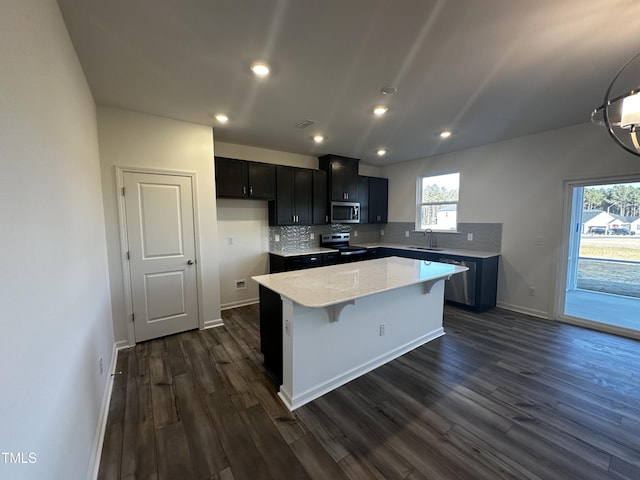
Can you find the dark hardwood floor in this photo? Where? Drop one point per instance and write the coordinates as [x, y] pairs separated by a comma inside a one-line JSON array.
[[501, 395]]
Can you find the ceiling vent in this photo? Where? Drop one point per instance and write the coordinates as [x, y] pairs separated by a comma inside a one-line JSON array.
[[305, 123]]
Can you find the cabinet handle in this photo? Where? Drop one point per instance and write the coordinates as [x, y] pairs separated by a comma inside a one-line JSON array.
[[251, 191], [244, 190]]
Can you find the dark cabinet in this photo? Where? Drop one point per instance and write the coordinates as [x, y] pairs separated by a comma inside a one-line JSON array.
[[342, 177], [363, 198], [278, 263], [320, 212], [244, 179], [480, 282], [378, 199], [293, 203]]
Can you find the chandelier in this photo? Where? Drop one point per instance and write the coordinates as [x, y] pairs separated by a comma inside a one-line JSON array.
[[620, 112]]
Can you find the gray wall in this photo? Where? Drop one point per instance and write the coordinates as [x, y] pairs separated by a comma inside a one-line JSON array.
[[521, 184], [54, 289]]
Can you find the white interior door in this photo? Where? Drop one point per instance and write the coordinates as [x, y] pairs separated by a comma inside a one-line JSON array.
[[162, 263]]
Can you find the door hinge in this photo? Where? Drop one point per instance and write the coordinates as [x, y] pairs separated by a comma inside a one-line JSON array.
[[128, 255], [133, 317], [123, 191]]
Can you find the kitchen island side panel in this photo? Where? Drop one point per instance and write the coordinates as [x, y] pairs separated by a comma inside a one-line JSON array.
[[319, 355]]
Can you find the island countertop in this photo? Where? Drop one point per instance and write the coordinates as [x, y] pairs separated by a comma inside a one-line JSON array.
[[324, 286]]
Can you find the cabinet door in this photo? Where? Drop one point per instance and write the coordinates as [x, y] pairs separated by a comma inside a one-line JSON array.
[[231, 178], [320, 201], [302, 196], [342, 177], [378, 200], [344, 180], [363, 198], [281, 211], [262, 180]]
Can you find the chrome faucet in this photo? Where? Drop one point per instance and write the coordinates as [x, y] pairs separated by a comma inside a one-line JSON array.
[[432, 240]]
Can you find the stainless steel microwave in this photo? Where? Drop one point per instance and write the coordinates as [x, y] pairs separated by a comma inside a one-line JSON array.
[[345, 212]]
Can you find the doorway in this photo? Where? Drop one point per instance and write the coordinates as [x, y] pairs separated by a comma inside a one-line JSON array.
[[603, 256], [158, 211]]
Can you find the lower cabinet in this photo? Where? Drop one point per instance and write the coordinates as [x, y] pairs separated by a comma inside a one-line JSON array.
[[278, 263], [476, 288]]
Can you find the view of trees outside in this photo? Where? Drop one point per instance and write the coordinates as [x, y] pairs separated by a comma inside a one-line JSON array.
[[611, 263], [621, 199], [439, 201]]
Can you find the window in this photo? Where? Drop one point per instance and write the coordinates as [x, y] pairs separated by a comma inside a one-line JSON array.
[[437, 206]]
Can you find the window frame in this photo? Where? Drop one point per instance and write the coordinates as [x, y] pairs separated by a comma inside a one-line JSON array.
[[420, 203]]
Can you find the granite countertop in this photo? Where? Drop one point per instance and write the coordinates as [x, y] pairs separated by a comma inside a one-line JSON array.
[[412, 248], [442, 250], [325, 286], [303, 251]]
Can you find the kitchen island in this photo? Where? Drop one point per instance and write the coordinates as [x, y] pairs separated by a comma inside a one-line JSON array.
[[322, 327]]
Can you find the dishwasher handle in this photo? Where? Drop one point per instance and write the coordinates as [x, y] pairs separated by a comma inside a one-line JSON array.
[[451, 261]]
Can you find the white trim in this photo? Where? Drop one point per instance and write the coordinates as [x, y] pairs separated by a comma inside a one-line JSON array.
[[527, 311], [217, 322], [101, 427], [124, 247], [239, 303]]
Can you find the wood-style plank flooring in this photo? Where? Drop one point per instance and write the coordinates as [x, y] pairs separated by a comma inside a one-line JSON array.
[[501, 395]]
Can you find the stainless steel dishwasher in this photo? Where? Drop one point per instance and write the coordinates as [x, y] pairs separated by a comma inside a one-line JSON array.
[[461, 287]]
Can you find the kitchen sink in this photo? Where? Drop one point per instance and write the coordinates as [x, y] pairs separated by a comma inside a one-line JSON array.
[[430, 249]]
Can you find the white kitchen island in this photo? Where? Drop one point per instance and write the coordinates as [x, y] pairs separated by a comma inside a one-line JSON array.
[[323, 327]]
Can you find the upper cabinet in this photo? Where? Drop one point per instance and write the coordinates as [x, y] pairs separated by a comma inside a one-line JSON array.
[[294, 197], [320, 204], [378, 199], [244, 179], [342, 177]]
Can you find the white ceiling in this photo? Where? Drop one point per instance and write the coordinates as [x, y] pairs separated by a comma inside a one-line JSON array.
[[487, 69]]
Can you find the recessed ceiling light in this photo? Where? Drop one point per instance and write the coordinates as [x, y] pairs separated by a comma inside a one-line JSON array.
[[445, 134], [379, 110], [222, 118], [381, 152], [260, 69], [318, 138], [388, 90]]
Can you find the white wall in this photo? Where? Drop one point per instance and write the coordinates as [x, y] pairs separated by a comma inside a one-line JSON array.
[[54, 289], [520, 184], [129, 139]]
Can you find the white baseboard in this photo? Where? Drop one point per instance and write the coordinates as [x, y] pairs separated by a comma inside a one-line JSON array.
[[240, 303], [216, 322], [101, 427], [527, 311]]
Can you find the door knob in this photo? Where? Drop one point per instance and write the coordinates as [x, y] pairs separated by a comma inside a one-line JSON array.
[[190, 262]]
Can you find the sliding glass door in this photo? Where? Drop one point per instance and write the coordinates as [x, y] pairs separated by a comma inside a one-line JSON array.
[[603, 255]]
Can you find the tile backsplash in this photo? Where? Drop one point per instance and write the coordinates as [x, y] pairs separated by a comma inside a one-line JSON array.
[[486, 236]]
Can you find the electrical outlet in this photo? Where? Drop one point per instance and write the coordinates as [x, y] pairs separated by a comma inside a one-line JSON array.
[[406, 233], [311, 236], [532, 291], [277, 238], [382, 233], [100, 367], [539, 241], [355, 233], [383, 329], [470, 237], [229, 240]]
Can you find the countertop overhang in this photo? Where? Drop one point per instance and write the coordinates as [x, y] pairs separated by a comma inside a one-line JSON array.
[[410, 248], [325, 286]]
